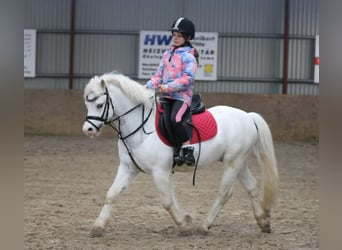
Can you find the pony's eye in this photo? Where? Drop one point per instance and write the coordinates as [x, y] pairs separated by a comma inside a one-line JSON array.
[[99, 105]]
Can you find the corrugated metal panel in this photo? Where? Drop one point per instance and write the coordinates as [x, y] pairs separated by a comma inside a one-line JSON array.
[[47, 14], [127, 15], [301, 59], [52, 53], [249, 57], [250, 42], [236, 16], [237, 87], [96, 54], [304, 17], [79, 83], [255, 88]]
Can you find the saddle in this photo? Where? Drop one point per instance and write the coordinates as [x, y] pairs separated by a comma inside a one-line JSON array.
[[197, 106], [202, 124]]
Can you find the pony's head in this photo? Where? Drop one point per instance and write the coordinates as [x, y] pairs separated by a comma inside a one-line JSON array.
[[101, 107]]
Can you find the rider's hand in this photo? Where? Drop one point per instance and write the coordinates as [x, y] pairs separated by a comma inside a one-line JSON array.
[[162, 89]]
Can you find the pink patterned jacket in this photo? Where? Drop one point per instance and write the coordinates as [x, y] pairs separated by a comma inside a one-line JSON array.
[[176, 71]]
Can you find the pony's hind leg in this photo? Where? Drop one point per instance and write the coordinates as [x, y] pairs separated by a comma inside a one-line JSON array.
[[262, 216], [162, 180], [225, 192], [122, 180]]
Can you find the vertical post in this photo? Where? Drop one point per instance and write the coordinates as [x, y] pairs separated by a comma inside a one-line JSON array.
[[71, 46], [286, 46]]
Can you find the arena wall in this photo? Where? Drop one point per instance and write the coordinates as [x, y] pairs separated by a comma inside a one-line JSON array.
[[62, 112]]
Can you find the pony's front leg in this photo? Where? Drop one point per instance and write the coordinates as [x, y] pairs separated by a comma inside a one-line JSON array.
[[122, 180], [163, 183]]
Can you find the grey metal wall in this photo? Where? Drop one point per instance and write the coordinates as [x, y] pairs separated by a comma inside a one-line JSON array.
[[107, 34]]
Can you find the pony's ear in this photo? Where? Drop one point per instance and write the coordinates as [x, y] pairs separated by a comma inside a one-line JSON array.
[[103, 84]]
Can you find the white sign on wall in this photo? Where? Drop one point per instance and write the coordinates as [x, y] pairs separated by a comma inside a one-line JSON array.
[[152, 45], [30, 53], [316, 62]]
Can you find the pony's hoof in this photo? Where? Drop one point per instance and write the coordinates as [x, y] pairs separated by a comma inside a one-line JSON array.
[[204, 230], [266, 229], [264, 223], [96, 232], [188, 228]]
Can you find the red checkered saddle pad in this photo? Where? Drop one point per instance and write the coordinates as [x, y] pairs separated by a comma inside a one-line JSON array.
[[204, 122]]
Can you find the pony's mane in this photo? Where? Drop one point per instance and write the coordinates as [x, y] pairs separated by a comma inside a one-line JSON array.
[[132, 89]]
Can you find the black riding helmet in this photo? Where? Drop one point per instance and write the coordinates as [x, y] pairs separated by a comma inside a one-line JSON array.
[[184, 26]]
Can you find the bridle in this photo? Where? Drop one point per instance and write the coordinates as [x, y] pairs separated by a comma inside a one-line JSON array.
[[105, 113], [104, 118]]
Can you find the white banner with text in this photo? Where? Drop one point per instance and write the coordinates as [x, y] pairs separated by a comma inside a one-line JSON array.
[[152, 45], [30, 53]]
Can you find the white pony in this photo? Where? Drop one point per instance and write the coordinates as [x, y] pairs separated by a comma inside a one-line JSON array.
[[129, 108]]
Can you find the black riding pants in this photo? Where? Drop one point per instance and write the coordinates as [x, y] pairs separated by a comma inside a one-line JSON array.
[[177, 113]]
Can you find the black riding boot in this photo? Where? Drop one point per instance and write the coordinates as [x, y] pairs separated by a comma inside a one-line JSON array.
[[178, 159], [188, 155]]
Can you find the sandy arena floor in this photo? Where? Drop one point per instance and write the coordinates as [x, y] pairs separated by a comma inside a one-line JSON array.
[[66, 179]]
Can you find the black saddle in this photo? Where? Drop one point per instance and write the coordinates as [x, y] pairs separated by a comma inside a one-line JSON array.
[[197, 106]]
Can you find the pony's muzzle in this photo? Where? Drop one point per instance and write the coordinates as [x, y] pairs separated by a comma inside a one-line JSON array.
[[89, 130]]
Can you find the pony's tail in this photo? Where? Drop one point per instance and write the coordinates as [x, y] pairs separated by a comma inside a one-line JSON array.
[[264, 151]]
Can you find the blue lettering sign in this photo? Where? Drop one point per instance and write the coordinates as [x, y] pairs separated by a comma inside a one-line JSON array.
[[164, 40], [149, 39], [161, 40]]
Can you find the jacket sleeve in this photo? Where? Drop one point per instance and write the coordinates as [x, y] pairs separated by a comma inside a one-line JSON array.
[[157, 79], [188, 74]]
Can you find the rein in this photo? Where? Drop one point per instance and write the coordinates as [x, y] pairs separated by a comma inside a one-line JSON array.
[[104, 119], [118, 130], [199, 151], [122, 138]]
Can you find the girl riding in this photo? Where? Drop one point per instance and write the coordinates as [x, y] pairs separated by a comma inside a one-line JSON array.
[[174, 80]]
